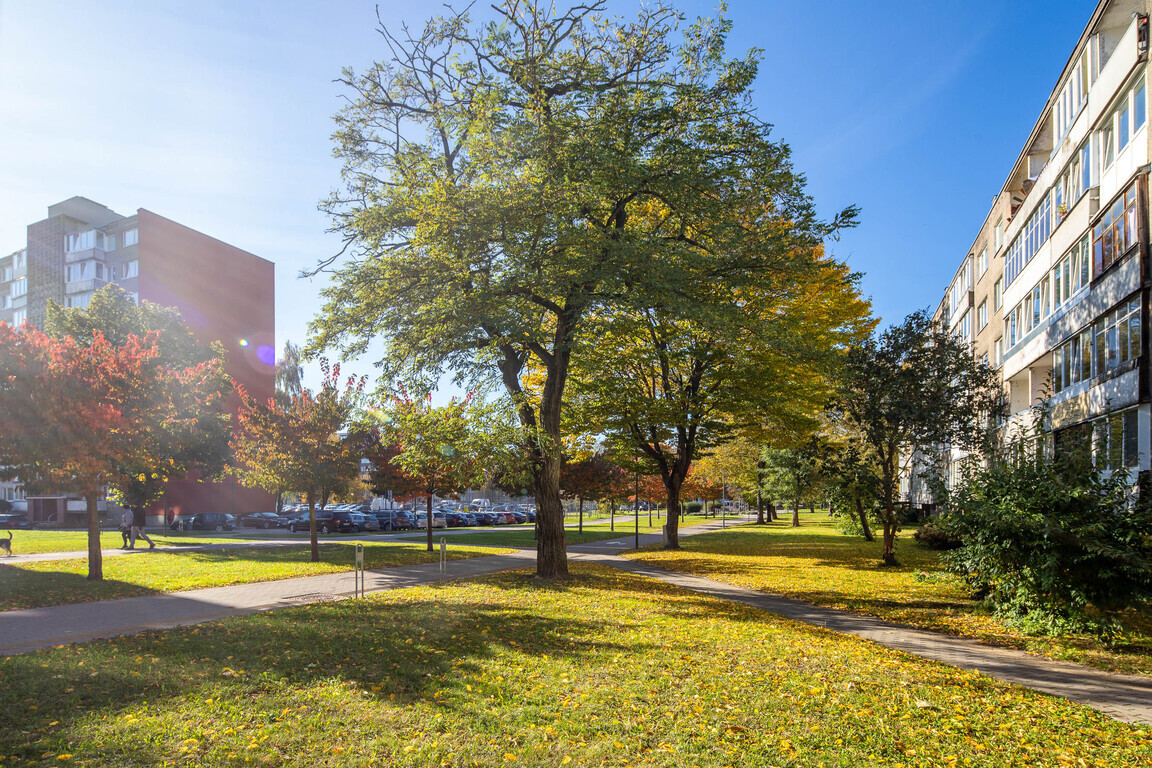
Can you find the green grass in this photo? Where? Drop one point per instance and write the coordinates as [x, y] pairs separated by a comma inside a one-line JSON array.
[[60, 582], [605, 669], [38, 542], [819, 564], [504, 537]]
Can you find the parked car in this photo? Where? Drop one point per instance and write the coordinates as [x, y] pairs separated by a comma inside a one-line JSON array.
[[205, 521], [483, 518], [261, 520], [395, 520], [457, 519], [323, 523], [438, 520], [365, 522], [16, 521]]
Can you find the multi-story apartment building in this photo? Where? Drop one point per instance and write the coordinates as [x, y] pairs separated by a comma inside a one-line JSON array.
[[1054, 290], [224, 294]]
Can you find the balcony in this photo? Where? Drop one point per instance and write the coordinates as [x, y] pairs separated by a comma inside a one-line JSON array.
[[87, 254], [84, 286]]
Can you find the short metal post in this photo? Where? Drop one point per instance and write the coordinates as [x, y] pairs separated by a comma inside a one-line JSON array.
[[443, 555], [358, 573]]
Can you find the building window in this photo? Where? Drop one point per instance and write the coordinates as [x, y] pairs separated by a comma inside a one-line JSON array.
[[130, 237], [998, 351], [1071, 273], [998, 294], [19, 260], [109, 242], [1116, 231], [19, 288], [982, 315], [129, 269], [19, 316], [982, 262], [958, 296], [78, 302], [1107, 145], [80, 241], [1033, 234], [1139, 108], [1112, 340]]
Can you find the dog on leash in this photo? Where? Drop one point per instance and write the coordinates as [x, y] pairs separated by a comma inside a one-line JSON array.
[[6, 544]]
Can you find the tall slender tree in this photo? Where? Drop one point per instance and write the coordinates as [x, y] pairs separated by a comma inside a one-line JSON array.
[[304, 446], [912, 390], [507, 180]]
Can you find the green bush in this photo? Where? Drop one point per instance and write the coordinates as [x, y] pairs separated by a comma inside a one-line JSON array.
[[693, 508], [932, 536], [1054, 544]]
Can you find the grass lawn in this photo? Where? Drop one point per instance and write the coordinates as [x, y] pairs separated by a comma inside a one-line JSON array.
[[59, 582], [605, 669], [39, 541], [819, 564], [503, 537]]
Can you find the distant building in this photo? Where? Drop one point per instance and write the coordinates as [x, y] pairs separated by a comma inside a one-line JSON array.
[[1054, 291], [224, 294]]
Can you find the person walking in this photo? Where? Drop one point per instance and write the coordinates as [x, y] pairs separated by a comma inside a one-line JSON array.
[[125, 527], [137, 531]]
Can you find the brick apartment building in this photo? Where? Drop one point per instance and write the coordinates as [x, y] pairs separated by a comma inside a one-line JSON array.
[[224, 294]]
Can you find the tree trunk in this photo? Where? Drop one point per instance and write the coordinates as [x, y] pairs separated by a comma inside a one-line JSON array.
[[863, 520], [673, 523], [612, 518], [581, 501], [759, 508], [772, 511], [889, 555], [430, 548], [312, 526], [551, 548], [796, 512], [95, 556]]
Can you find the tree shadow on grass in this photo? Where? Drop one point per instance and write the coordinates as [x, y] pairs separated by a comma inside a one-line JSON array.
[[21, 588], [404, 651]]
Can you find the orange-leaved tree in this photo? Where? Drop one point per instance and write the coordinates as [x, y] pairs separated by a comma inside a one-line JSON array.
[[301, 445]]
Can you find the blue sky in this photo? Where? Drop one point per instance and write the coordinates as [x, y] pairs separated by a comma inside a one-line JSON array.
[[218, 115]]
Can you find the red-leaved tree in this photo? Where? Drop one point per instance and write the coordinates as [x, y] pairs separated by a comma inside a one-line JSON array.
[[300, 445], [77, 417]]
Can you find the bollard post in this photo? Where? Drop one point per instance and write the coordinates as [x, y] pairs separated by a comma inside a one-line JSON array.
[[443, 555], [358, 572]]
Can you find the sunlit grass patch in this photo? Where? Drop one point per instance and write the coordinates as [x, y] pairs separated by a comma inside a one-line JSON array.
[[603, 669], [817, 563], [59, 582], [40, 541]]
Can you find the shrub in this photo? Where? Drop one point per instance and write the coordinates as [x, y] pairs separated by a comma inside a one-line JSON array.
[[1052, 543], [932, 536], [693, 508]]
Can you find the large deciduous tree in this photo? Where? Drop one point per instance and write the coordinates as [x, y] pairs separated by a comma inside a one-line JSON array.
[[303, 446], [506, 181], [911, 391], [80, 417], [188, 428]]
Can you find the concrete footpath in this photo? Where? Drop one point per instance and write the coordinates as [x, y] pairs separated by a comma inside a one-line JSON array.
[[1124, 697]]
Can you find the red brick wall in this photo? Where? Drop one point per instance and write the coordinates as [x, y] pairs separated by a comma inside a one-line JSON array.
[[226, 295]]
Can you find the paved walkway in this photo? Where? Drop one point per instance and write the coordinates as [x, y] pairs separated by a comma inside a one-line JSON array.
[[1124, 697]]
